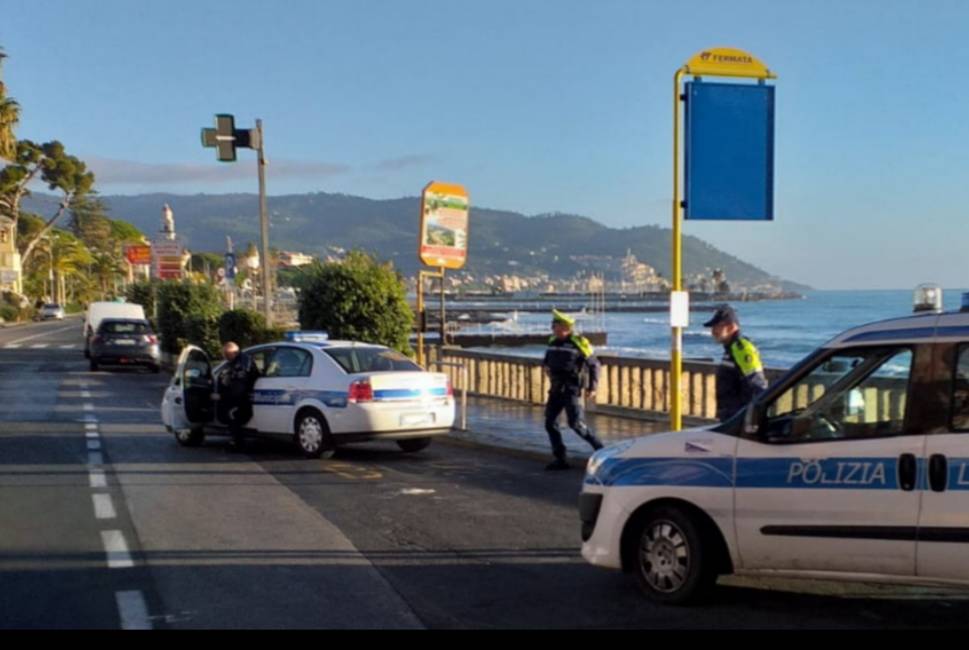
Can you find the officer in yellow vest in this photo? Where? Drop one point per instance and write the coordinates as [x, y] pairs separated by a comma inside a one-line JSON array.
[[571, 366], [740, 377]]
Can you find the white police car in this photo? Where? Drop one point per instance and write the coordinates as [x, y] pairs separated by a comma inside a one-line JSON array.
[[854, 465], [320, 394]]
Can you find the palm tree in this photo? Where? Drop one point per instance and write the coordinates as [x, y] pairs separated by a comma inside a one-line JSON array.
[[9, 117]]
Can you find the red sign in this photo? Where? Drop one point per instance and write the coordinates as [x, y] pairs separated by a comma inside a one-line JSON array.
[[138, 254]]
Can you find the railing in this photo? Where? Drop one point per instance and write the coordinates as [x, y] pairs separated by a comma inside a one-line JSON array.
[[640, 387]]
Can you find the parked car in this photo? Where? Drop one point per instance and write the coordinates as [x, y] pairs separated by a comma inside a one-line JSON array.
[[854, 465], [51, 311], [125, 341], [97, 311], [320, 395]]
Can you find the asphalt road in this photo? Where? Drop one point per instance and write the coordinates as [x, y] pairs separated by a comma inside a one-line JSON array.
[[106, 522]]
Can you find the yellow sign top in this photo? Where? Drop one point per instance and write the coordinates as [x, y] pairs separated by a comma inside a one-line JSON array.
[[727, 62]]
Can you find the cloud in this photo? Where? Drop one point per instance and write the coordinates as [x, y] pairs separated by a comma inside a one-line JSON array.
[[129, 172], [404, 162]]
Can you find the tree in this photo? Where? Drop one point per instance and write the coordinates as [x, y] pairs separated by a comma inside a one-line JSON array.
[[9, 117], [357, 299], [51, 163]]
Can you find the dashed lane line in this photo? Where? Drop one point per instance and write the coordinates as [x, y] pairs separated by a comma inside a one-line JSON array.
[[133, 610], [103, 506], [116, 549]]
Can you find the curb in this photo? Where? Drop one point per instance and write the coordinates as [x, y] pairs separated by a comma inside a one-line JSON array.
[[524, 454]]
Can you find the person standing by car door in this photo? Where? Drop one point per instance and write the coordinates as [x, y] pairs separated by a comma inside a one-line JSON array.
[[235, 388]]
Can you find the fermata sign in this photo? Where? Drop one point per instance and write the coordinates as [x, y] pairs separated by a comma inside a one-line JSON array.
[[729, 151], [444, 226]]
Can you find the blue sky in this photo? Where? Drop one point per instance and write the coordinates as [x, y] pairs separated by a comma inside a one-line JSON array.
[[534, 105]]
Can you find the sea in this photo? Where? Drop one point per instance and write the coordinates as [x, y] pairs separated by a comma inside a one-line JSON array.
[[785, 331]]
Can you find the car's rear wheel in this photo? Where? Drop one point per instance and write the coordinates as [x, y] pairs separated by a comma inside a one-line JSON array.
[[411, 445], [190, 437], [673, 563], [313, 435]]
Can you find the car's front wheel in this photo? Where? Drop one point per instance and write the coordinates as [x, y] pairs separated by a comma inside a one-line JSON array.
[[411, 445], [313, 435], [674, 564]]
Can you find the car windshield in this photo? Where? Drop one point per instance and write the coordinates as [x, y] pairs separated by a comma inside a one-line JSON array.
[[124, 327], [354, 360], [52, 306]]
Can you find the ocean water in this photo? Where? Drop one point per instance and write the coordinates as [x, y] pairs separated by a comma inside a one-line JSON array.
[[785, 331]]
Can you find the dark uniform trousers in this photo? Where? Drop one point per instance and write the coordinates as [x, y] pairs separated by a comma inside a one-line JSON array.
[[567, 398]]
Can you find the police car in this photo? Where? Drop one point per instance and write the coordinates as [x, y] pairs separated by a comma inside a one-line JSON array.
[[854, 465], [318, 393]]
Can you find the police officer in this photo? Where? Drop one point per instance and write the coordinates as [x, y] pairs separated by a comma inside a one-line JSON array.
[[571, 365], [740, 377], [235, 385]]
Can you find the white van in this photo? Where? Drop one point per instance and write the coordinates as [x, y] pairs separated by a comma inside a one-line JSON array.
[[98, 311]]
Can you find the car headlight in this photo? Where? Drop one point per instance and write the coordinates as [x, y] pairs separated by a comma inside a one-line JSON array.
[[597, 459]]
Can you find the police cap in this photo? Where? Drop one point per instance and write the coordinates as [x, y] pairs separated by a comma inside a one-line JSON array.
[[559, 317], [724, 314]]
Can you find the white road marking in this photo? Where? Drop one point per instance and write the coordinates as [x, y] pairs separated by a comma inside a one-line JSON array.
[[93, 445], [88, 406], [37, 336], [85, 394], [133, 610], [91, 434], [90, 425], [98, 479], [11, 346], [103, 506], [38, 346], [116, 548], [95, 458], [416, 491], [68, 347]]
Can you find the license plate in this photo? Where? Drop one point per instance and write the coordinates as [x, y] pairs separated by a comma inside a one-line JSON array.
[[124, 342], [413, 419]]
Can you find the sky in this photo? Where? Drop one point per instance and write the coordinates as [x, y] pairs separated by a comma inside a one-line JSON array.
[[535, 106]]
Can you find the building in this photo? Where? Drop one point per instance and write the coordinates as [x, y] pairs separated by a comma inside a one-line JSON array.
[[290, 259], [9, 256]]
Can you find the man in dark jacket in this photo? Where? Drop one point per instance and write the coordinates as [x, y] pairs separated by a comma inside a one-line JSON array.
[[571, 365], [235, 387], [740, 377]]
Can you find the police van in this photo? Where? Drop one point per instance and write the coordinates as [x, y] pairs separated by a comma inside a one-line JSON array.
[[854, 465]]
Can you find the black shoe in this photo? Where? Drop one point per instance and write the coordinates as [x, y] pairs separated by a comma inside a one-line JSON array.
[[557, 464]]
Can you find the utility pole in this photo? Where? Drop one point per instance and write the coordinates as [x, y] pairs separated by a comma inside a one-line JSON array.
[[264, 227]]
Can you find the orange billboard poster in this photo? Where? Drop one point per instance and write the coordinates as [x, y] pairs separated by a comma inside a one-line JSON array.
[[444, 225], [137, 254]]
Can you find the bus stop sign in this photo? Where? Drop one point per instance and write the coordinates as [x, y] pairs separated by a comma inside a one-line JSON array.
[[729, 159]]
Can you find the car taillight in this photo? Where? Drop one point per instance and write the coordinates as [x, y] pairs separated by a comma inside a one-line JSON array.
[[360, 391], [151, 339]]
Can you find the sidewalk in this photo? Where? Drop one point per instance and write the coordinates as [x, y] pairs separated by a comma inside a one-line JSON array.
[[518, 426]]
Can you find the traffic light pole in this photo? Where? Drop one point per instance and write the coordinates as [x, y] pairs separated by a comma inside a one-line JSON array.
[[264, 227]]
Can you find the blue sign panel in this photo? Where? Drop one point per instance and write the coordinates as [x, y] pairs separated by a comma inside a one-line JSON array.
[[230, 266], [729, 151]]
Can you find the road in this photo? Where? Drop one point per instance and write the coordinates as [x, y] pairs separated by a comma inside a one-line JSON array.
[[105, 522]]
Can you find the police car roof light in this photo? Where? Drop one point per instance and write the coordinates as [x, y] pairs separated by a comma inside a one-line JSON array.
[[298, 336], [928, 297]]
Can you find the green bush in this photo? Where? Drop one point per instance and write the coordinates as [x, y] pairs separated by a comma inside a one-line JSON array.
[[143, 293], [357, 299], [187, 313], [9, 313], [202, 330], [247, 328]]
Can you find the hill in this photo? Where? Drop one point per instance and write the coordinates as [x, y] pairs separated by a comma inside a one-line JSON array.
[[501, 241]]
